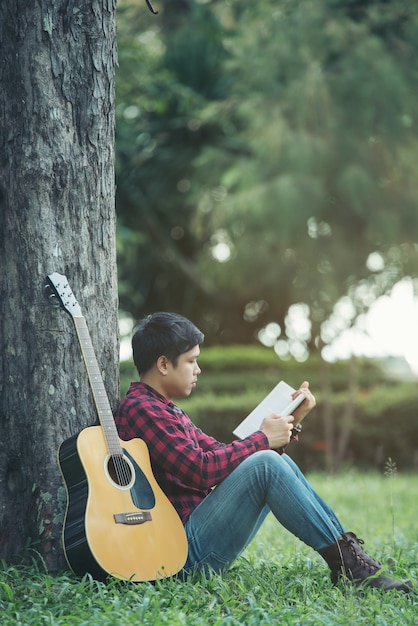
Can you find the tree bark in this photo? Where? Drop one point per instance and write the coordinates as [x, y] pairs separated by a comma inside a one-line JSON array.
[[348, 415], [56, 215], [327, 417]]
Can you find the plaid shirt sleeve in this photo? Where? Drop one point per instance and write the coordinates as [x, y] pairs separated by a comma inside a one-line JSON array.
[[177, 447]]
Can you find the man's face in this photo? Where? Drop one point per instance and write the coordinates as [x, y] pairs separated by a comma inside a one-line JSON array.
[[181, 379]]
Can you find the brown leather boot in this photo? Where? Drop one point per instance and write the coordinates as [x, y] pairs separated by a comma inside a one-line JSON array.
[[347, 558]]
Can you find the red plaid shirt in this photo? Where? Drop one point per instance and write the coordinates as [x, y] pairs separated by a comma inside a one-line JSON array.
[[186, 463]]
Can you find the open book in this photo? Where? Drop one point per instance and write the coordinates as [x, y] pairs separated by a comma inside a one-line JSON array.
[[279, 401]]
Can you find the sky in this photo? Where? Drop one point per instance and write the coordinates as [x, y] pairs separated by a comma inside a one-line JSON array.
[[390, 329]]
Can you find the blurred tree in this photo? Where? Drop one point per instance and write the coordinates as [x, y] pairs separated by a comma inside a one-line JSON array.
[[327, 111], [159, 134], [326, 198], [269, 154]]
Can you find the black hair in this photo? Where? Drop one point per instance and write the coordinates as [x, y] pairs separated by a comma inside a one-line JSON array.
[[168, 334]]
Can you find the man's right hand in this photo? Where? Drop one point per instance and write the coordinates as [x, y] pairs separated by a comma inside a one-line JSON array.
[[277, 429]]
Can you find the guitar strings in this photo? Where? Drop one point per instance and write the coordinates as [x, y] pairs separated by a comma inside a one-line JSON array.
[[122, 470]]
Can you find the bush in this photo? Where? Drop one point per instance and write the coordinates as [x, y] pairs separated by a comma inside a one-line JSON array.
[[235, 379]]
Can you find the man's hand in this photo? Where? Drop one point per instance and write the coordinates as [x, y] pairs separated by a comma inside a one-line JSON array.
[[277, 429], [307, 405]]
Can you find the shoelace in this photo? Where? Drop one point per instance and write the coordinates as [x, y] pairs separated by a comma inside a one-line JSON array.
[[362, 557]]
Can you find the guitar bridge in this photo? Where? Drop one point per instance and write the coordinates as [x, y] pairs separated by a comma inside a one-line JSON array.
[[132, 518]]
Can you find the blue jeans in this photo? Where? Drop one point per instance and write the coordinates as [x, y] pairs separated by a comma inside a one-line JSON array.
[[224, 523]]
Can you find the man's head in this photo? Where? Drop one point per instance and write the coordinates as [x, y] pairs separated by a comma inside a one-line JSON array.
[[167, 334]]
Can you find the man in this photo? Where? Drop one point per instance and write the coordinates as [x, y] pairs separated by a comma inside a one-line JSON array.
[[223, 492]]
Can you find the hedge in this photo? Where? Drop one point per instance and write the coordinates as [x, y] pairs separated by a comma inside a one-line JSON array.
[[234, 379]]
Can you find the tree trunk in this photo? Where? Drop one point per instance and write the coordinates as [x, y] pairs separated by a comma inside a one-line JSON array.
[[348, 415], [56, 215], [327, 416]]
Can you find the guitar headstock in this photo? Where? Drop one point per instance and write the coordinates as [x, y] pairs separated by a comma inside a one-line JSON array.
[[63, 294]]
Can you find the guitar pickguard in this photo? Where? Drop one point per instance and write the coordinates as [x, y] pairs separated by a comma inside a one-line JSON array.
[[142, 493]]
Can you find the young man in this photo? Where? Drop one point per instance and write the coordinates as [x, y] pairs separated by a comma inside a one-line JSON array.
[[223, 492]]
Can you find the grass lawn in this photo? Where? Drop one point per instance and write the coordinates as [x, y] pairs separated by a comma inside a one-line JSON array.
[[278, 581]]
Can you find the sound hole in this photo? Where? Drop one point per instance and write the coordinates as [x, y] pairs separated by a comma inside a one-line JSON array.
[[119, 470]]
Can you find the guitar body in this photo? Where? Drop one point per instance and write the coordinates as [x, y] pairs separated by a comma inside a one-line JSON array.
[[146, 540]]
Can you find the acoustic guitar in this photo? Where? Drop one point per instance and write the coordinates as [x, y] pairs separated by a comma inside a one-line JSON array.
[[118, 521]]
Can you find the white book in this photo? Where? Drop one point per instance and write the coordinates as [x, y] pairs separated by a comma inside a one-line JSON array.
[[279, 401]]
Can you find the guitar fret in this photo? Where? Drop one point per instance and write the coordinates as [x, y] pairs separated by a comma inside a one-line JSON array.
[[98, 389]]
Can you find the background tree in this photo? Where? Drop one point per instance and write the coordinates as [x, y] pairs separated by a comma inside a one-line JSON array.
[[288, 171], [306, 160], [159, 134], [57, 214]]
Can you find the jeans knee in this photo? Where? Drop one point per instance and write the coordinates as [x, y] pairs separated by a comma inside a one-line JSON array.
[[269, 463], [269, 457]]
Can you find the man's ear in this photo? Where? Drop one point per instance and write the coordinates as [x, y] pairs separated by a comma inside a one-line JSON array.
[[162, 365]]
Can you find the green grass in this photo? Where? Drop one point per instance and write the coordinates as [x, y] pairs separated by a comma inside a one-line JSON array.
[[278, 581]]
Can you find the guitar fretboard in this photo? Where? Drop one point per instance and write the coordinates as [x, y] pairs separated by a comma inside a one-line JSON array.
[[98, 389]]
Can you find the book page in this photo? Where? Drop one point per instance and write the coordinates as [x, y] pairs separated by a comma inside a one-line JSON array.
[[279, 401]]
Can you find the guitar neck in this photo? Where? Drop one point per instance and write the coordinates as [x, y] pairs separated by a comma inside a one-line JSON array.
[[104, 410]]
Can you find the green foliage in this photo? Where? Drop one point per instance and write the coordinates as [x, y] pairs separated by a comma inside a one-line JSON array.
[[237, 357], [386, 427], [237, 368], [374, 435], [235, 379], [278, 580], [284, 132], [159, 132]]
